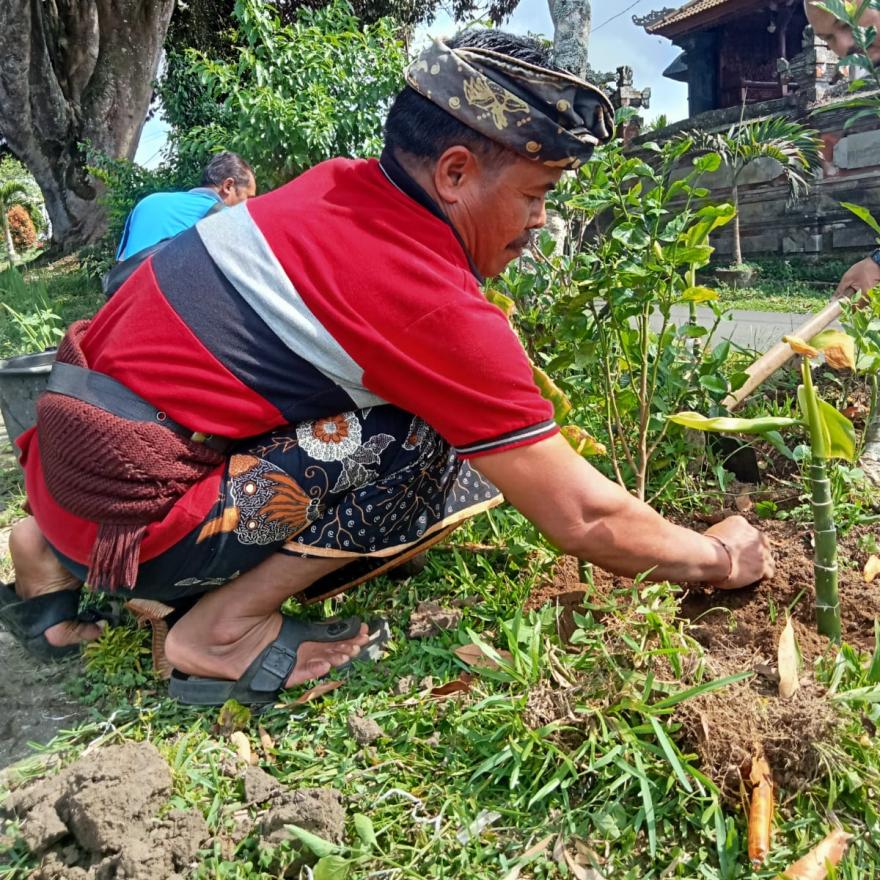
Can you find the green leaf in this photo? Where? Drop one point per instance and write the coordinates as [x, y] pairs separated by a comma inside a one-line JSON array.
[[732, 425], [332, 868], [707, 163], [317, 845], [874, 668], [837, 430], [699, 294], [863, 214], [715, 384], [706, 688], [365, 830]]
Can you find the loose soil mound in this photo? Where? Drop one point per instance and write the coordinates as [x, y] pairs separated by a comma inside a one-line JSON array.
[[106, 817], [739, 631]]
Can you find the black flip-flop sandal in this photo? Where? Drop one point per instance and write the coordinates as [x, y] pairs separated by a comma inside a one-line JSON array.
[[28, 619], [264, 679]]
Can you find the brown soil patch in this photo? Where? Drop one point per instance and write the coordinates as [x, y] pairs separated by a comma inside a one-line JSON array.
[[740, 630], [106, 816]]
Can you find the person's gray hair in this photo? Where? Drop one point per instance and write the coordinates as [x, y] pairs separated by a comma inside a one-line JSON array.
[[225, 165]]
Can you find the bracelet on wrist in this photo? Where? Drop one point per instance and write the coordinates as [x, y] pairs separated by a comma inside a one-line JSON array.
[[728, 554]]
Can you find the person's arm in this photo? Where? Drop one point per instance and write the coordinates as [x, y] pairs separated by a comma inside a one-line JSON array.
[[588, 516], [860, 277]]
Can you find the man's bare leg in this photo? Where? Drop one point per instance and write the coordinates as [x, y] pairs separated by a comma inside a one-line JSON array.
[[37, 572], [230, 626]]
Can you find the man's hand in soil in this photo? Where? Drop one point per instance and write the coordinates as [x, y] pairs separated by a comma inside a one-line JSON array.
[[588, 516], [859, 278], [751, 559]]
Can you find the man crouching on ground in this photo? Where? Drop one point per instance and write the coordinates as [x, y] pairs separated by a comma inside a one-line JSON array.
[[307, 389]]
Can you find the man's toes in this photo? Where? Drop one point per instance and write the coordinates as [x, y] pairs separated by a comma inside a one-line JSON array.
[[72, 632], [308, 670]]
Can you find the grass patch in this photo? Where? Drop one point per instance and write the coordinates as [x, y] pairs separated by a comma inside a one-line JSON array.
[[795, 285], [40, 302], [558, 753]]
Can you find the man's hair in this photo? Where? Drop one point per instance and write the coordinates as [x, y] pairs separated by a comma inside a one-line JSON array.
[[423, 131], [225, 165]]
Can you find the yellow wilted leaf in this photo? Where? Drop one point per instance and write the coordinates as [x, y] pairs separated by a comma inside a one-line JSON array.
[[582, 441], [872, 568], [838, 347], [242, 746], [798, 346], [787, 659], [552, 392], [505, 303]]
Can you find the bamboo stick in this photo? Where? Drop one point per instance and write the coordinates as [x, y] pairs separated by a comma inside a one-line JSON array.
[[780, 354]]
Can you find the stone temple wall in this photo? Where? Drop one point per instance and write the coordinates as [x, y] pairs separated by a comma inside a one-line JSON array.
[[816, 224]]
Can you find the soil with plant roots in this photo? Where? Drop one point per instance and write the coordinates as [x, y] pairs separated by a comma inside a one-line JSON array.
[[739, 631]]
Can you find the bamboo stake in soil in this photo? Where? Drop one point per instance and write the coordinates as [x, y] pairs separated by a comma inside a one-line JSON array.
[[825, 538]]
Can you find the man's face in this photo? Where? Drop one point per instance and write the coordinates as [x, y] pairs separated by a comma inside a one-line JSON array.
[[498, 206], [232, 194], [838, 36]]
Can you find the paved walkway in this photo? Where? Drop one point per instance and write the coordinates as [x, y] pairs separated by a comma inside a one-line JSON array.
[[753, 330]]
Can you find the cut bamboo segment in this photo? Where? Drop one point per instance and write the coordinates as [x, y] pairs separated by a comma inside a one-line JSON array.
[[781, 353]]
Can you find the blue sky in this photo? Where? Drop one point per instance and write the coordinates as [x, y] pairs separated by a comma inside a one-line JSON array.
[[615, 41]]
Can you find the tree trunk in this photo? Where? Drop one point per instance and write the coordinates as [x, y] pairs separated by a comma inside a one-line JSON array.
[[71, 73], [737, 241], [571, 34], [7, 235]]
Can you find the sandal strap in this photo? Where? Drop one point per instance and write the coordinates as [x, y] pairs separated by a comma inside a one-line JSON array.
[[270, 670], [32, 617]]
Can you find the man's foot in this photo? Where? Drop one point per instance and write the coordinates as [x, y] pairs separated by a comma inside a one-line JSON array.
[[38, 572], [191, 649]]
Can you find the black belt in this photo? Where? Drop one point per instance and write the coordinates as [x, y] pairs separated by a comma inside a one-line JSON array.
[[113, 397]]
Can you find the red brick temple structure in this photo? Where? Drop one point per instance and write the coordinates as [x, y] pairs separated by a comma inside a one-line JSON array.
[[756, 58]]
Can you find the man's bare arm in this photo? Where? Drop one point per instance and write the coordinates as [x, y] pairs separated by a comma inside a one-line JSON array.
[[585, 514]]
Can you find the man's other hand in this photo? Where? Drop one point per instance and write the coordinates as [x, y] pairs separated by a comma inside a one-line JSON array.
[[750, 555], [860, 278]]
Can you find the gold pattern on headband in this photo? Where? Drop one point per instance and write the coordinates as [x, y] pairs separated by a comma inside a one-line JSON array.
[[492, 99], [549, 116]]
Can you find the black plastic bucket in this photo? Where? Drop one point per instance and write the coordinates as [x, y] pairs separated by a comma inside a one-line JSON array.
[[22, 380]]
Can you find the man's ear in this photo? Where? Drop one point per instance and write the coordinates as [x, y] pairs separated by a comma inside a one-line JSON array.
[[227, 186], [456, 171]]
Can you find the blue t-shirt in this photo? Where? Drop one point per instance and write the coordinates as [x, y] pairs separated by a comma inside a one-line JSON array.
[[163, 215]]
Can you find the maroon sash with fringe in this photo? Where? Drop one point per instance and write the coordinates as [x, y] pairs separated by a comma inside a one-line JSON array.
[[121, 474]]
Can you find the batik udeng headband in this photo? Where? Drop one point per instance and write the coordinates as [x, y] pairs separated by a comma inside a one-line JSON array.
[[554, 118]]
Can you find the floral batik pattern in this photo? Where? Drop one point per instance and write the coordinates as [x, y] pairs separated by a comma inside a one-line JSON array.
[[266, 504]]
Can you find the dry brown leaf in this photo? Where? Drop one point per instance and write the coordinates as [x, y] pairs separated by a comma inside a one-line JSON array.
[[787, 661], [460, 685], [761, 810], [872, 568], [473, 655], [537, 849], [242, 746], [266, 742], [317, 691], [814, 865]]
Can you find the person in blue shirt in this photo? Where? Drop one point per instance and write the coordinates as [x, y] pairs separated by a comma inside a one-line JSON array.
[[226, 180]]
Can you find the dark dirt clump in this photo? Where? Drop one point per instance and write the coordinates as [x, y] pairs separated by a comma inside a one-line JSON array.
[[429, 618], [104, 818], [739, 630], [363, 730], [318, 810], [98, 818]]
